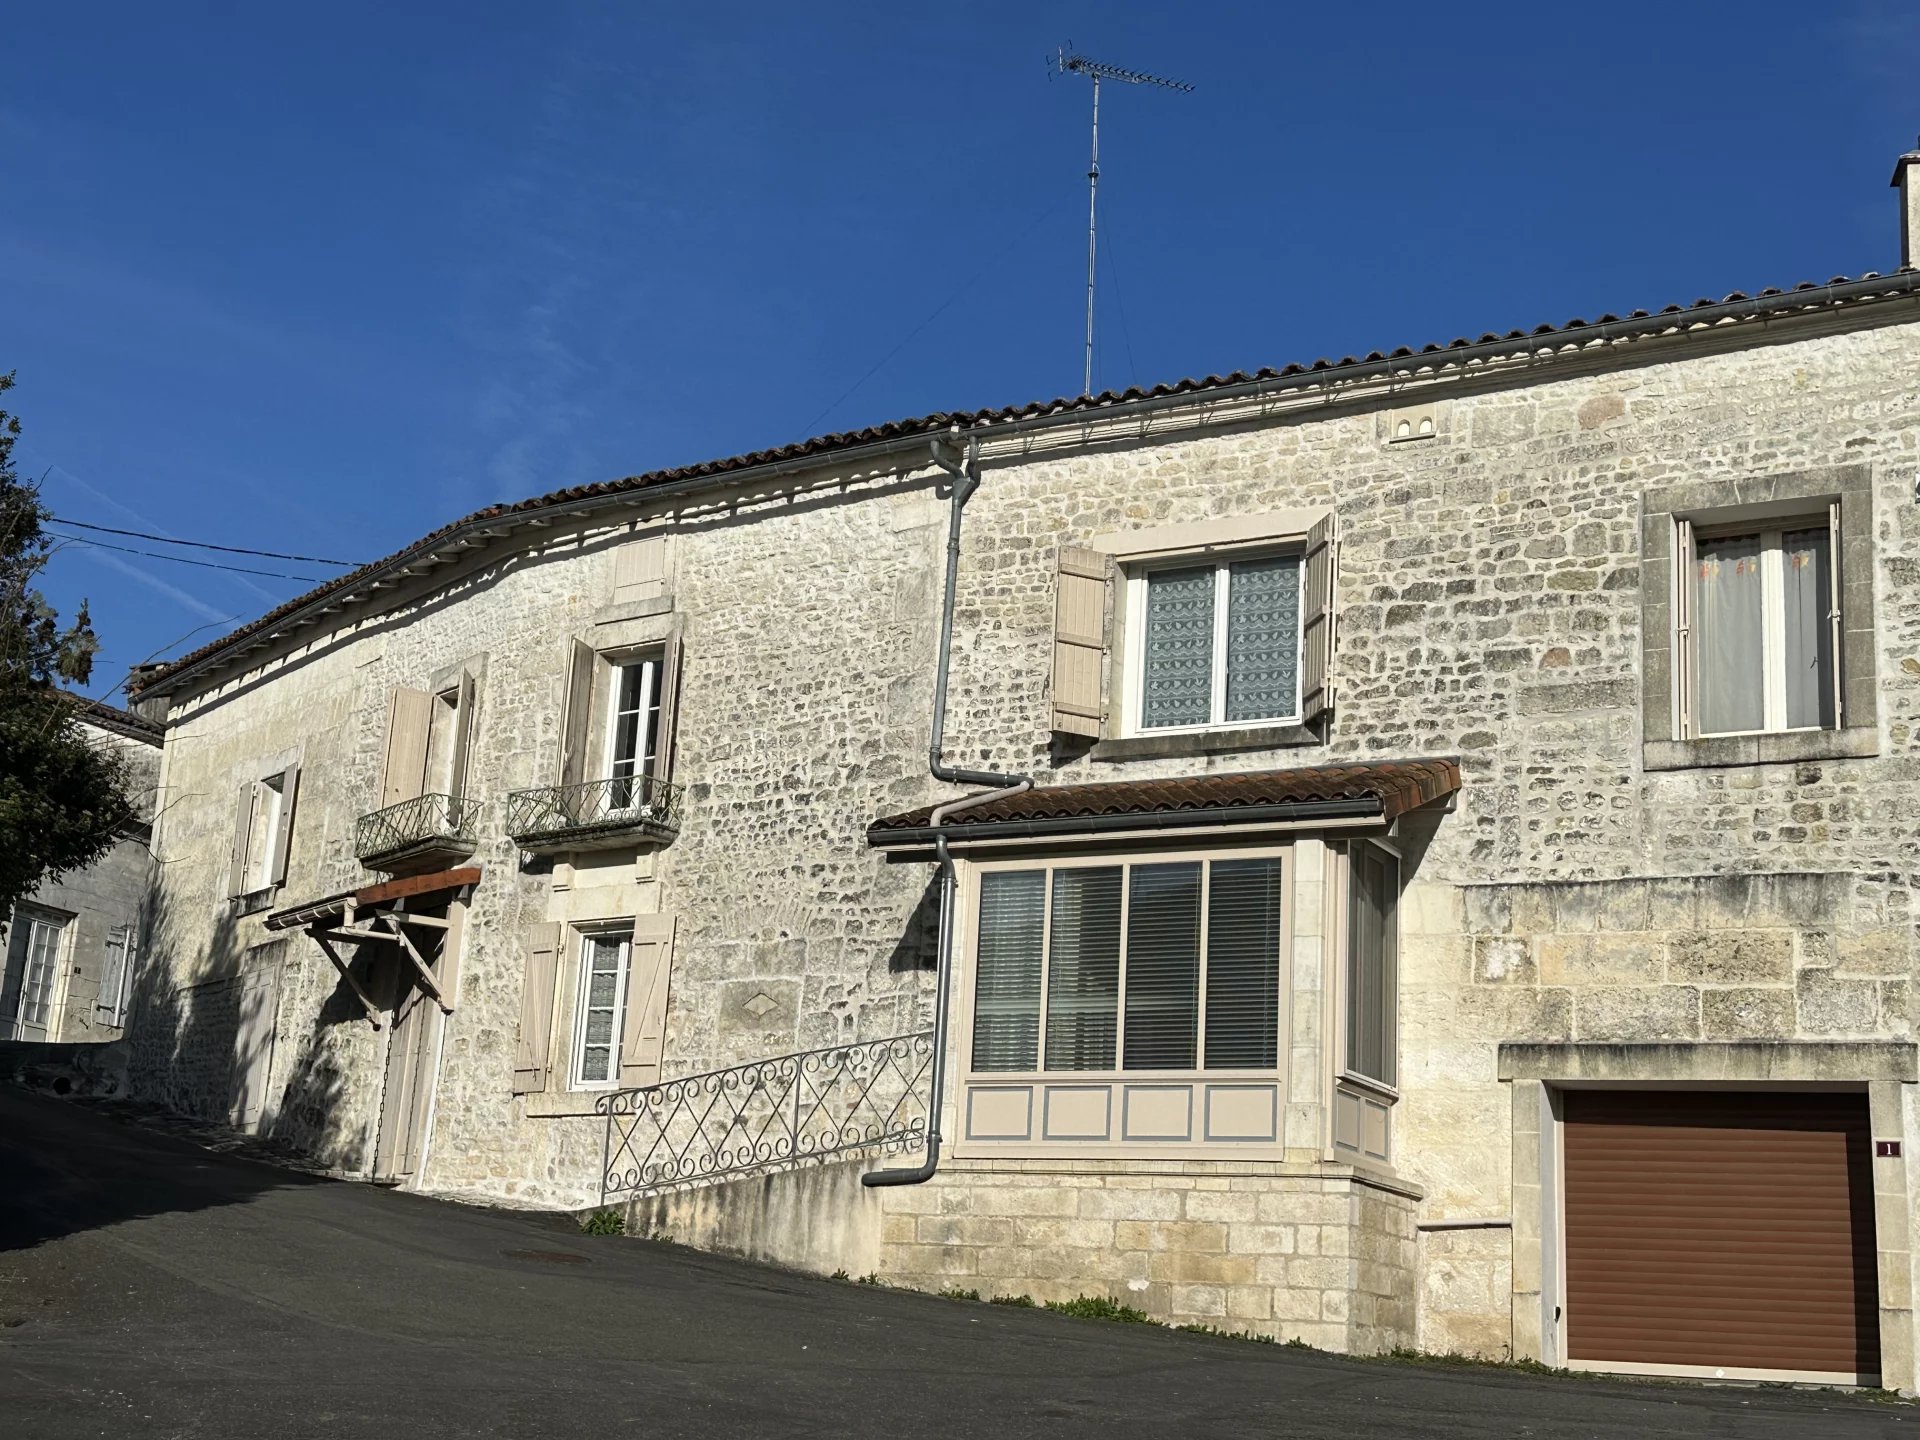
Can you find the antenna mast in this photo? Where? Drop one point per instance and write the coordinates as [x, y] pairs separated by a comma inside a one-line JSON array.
[[1065, 62]]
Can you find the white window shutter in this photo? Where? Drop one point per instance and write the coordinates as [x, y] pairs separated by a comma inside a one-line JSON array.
[[643, 1031], [1836, 622], [536, 1009], [409, 718], [1081, 583], [1319, 610], [283, 830], [462, 737], [1680, 660], [242, 830], [577, 729], [640, 569], [663, 744]]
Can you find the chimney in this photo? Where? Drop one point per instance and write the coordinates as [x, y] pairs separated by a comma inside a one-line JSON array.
[[1906, 179]]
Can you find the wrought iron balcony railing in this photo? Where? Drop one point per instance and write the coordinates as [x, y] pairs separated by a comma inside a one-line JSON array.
[[600, 812], [769, 1115], [426, 824]]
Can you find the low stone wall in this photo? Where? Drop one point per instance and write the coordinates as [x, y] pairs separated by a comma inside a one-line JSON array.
[[819, 1218], [1295, 1253]]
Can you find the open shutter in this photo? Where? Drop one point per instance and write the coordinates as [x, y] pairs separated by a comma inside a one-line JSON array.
[[462, 738], [536, 1009], [1836, 624], [1680, 653], [643, 1032], [1319, 605], [576, 733], [408, 721], [283, 831], [669, 707], [242, 828], [1079, 639]]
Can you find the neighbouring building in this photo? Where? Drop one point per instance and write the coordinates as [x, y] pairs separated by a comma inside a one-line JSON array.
[[70, 949], [1437, 863]]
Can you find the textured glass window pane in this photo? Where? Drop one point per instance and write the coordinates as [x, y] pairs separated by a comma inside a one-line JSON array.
[[600, 1027], [1083, 969], [1371, 963], [1808, 638], [600, 989], [1176, 681], [1243, 964], [1728, 636], [596, 1063], [1263, 638], [1006, 1005], [1163, 967]]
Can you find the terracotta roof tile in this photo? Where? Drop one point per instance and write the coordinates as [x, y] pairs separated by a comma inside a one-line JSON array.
[[1396, 786]]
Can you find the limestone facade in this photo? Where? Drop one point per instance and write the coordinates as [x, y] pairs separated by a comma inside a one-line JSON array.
[[1595, 884]]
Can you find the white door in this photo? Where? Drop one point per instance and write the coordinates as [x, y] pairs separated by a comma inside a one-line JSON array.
[[34, 955], [253, 1048]]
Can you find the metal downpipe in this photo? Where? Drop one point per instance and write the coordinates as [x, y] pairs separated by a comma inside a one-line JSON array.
[[966, 479]]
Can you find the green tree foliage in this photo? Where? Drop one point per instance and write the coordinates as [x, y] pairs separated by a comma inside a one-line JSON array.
[[63, 798]]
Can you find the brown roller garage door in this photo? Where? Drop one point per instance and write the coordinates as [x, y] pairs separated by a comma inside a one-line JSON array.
[[1723, 1229]]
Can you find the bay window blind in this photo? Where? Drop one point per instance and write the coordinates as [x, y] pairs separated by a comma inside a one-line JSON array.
[[1006, 1004], [1149, 966]]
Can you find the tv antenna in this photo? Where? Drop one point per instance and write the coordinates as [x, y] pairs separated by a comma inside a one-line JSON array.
[[1067, 62]]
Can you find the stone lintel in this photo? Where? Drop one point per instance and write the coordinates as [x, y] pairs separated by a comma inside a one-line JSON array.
[[1750, 1060]]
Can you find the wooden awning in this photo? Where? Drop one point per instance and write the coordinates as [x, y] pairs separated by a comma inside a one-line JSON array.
[[377, 913]]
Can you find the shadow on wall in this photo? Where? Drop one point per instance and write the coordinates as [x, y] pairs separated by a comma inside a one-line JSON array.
[[71, 1168], [263, 1038]]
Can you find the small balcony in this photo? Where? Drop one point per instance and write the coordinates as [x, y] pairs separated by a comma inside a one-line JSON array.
[[417, 834], [599, 815]]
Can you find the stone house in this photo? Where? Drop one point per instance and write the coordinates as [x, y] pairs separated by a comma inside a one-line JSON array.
[[1434, 858], [70, 949]]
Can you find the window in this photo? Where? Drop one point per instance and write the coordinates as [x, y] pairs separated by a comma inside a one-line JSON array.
[[1136, 966], [1216, 643], [600, 1009], [35, 945], [262, 835], [633, 727], [116, 975], [1758, 628], [1373, 921]]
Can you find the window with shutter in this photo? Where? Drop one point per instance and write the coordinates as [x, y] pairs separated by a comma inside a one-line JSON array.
[[1158, 965], [116, 974], [1373, 901]]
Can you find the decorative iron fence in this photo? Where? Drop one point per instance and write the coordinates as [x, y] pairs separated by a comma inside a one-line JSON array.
[[413, 822], [623, 803], [804, 1106]]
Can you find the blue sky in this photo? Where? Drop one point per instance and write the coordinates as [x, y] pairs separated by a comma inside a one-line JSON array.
[[320, 279]]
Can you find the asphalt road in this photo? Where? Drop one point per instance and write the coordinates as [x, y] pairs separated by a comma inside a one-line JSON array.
[[149, 1287]]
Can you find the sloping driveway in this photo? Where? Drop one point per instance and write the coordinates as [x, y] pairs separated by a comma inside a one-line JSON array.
[[151, 1288]]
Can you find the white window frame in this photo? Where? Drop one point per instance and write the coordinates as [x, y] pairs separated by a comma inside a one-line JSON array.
[[1119, 1073], [1134, 575], [263, 832], [34, 921], [649, 699], [576, 1060], [1348, 1072], [1771, 535]]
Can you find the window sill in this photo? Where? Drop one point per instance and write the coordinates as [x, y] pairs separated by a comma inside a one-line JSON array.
[[564, 1104], [1206, 742], [1781, 749], [254, 901]]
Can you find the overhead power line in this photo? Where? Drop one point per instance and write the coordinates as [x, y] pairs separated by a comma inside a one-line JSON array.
[[205, 545], [183, 560]]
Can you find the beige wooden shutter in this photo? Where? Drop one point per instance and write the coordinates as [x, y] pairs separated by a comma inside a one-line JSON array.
[[1836, 622], [408, 720], [643, 1030], [1680, 664], [242, 830], [576, 729], [283, 832], [669, 707], [462, 737], [1079, 639], [640, 569], [536, 1009], [1319, 606]]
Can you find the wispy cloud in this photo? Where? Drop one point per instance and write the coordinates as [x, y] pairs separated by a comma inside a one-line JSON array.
[[153, 582]]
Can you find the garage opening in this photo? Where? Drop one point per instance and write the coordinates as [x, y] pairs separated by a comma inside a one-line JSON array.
[[1721, 1231]]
